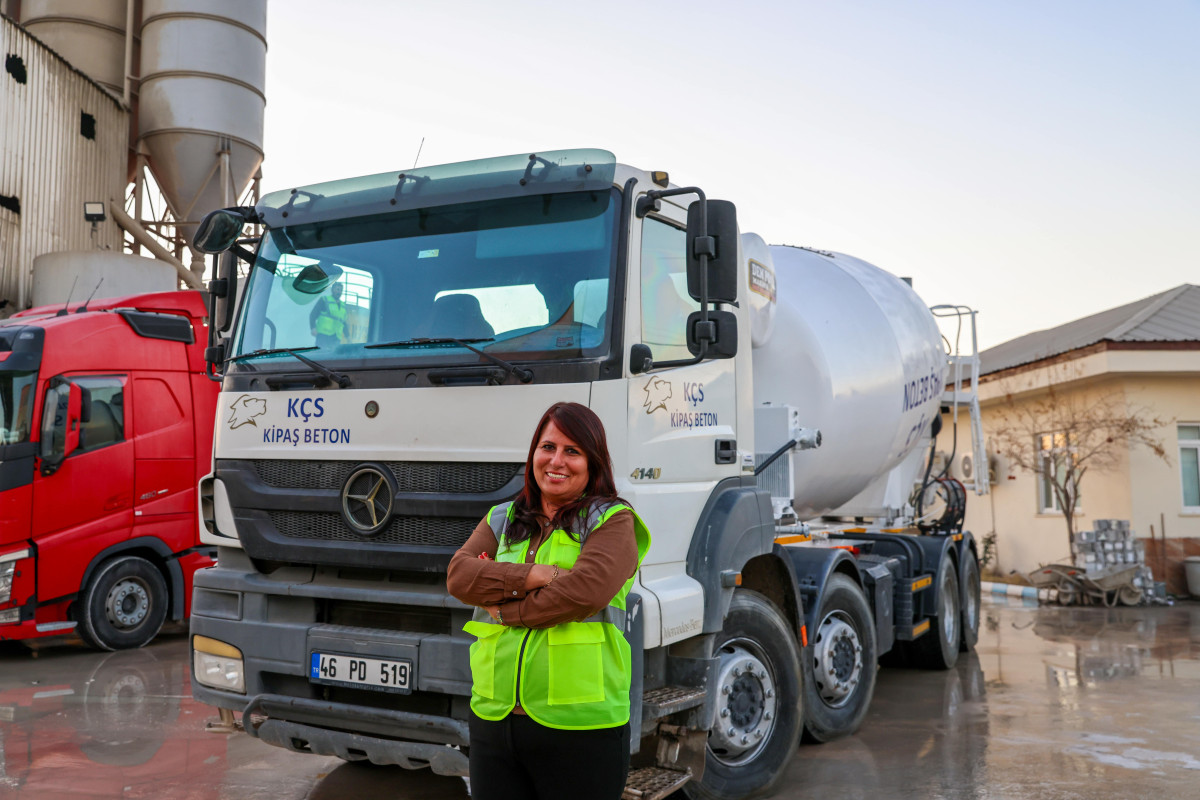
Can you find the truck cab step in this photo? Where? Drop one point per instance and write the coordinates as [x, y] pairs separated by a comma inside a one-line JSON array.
[[653, 783], [907, 633], [658, 703]]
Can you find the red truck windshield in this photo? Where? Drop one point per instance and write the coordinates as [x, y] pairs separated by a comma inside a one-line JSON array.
[[16, 405]]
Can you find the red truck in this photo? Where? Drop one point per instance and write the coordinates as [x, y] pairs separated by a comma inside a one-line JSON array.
[[106, 425]]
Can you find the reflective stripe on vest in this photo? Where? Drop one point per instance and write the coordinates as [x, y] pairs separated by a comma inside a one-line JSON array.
[[573, 676]]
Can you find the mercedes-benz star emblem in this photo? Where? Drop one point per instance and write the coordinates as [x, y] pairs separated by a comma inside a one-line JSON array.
[[367, 500]]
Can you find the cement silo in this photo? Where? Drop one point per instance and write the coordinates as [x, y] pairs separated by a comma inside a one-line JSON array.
[[91, 35], [200, 122], [191, 74]]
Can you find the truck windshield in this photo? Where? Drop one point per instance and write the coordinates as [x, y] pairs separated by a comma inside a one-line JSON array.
[[16, 405], [527, 277]]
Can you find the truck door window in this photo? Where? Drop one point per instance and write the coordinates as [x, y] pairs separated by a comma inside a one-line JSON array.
[[105, 426], [665, 300]]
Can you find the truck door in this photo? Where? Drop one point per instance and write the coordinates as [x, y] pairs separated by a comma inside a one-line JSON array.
[[86, 504], [682, 421], [164, 449]]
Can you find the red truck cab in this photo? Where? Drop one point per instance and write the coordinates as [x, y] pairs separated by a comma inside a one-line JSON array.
[[106, 424]]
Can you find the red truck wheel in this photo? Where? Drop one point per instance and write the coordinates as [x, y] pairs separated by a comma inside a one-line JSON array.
[[123, 605]]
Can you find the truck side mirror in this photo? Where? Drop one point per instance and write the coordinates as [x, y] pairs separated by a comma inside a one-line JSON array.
[[75, 404], [61, 418], [721, 245], [218, 230], [720, 332]]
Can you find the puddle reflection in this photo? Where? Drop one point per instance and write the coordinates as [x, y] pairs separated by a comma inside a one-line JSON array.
[[99, 726]]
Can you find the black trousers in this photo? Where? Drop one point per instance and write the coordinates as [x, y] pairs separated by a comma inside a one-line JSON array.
[[518, 759]]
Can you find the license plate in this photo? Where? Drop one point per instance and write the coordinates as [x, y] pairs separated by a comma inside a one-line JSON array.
[[388, 675]]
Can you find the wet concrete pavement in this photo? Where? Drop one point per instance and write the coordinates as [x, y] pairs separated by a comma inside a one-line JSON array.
[[1057, 703]]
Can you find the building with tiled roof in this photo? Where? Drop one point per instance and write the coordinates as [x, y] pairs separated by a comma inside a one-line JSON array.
[[1144, 356]]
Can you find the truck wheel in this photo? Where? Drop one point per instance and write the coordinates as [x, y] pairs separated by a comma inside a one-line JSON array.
[[938, 648], [839, 674], [123, 605], [971, 602], [759, 708]]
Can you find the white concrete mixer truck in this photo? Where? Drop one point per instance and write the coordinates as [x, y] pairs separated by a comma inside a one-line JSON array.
[[768, 410]]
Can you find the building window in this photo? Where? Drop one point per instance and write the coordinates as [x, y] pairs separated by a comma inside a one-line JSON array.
[[1054, 454], [1189, 464], [87, 125]]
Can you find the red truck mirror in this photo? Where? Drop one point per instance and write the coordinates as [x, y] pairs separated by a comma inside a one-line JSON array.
[[68, 406], [74, 418]]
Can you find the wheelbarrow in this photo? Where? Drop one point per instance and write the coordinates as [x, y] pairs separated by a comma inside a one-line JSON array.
[[1108, 586]]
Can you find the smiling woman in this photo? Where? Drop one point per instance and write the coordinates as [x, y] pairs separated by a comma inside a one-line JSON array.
[[549, 573]]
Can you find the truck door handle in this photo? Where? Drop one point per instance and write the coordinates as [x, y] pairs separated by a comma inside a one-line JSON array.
[[726, 451]]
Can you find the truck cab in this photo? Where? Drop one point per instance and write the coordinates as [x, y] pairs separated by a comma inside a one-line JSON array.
[[104, 408]]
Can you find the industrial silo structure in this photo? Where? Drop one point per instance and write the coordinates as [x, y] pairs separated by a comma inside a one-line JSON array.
[[201, 102], [179, 85]]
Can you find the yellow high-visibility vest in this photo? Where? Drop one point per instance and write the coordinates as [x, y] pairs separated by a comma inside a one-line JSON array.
[[332, 319], [572, 676]]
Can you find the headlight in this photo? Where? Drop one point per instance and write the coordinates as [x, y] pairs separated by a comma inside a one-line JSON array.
[[218, 664], [7, 570]]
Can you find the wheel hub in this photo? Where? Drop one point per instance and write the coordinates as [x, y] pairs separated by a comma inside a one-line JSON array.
[[128, 603], [746, 704], [837, 660]]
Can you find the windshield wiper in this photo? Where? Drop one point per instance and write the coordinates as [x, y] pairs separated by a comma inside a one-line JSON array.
[[336, 377], [523, 375]]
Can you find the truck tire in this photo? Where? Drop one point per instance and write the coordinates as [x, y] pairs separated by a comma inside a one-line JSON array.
[[839, 671], [971, 602], [938, 648], [123, 605], [759, 711]]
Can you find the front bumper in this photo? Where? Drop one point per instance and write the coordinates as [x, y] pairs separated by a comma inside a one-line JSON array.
[[278, 620], [440, 753]]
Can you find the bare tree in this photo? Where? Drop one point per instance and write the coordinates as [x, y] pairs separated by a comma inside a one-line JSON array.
[[1062, 434]]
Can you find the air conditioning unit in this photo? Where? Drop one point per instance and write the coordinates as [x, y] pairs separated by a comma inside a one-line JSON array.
[[963, 467]]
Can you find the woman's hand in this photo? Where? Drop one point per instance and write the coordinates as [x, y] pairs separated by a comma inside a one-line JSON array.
[[542, 574], [494, 611]]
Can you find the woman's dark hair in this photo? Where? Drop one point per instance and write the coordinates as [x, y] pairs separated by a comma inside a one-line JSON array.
[[580, 424]]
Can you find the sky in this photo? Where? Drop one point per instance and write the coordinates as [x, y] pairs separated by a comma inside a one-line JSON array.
[[1036, 160]]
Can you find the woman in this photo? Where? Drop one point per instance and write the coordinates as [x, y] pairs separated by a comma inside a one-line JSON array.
[[550, 666]]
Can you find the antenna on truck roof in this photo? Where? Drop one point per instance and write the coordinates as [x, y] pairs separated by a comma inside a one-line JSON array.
[[83, 307], [62, 312]]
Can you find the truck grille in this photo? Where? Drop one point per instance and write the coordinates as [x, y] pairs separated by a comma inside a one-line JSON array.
[[450, 477], [424, 531]]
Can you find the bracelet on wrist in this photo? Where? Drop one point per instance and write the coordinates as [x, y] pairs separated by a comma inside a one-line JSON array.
[[499, 615], [553, 576]]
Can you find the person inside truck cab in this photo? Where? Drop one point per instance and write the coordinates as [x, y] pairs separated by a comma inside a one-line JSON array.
[[549, 573], [328, 318]]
